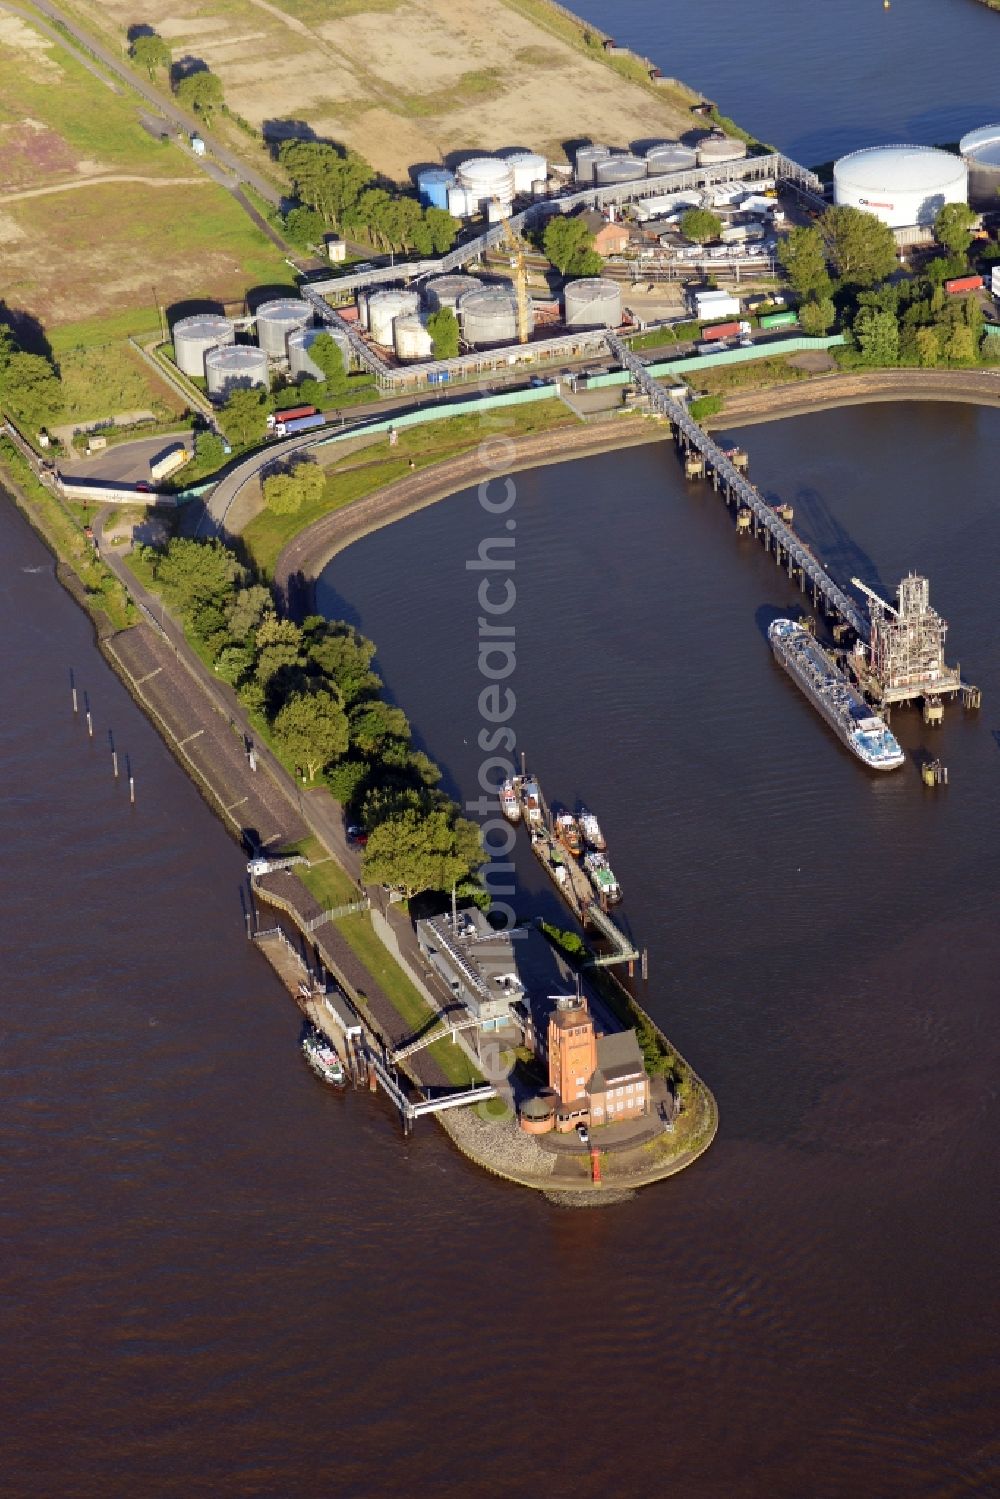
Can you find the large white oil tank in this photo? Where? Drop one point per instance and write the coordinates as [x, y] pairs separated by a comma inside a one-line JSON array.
[[433, 184], [615, 169], [275, 320], [528, 168], [489, 316], [593, 302], [671, 156], [719, 148], [235, 368], [586, 160], [459, 205], [299, 344], [383, 309], [901, 185], [980, 150], [444, 291], [485, 178], [410, 336], [194, 336]]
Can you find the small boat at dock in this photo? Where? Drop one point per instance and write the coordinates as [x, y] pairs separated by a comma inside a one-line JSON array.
[[568, 833], [591, 830], [531, 801], [510, 802], [602, 878], [319, 1052]]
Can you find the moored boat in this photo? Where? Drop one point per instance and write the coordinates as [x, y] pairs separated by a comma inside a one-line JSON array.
[[531, 801], [818, 677], [568, 833], [591, 830], [510, 804], [319, 1052], [602, 878]]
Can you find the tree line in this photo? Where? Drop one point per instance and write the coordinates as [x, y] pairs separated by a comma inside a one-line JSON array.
[[311, 687]]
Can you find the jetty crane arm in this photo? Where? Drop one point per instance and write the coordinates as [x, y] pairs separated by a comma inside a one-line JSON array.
[[876, 598]]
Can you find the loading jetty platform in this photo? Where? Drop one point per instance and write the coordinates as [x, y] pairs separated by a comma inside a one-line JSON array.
[[898, 654]]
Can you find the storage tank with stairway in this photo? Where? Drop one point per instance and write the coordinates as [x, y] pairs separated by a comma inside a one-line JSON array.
[[410, 337], [299, 344], [383, 309], [586, 159], [276, 320], [489, 317], [445, 291], [618, 169], [238, 367], [593, 302], [433, 184], [194, 336]]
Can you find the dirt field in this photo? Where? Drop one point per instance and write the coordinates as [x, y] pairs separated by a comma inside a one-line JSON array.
[[95, 213], [407, 81]]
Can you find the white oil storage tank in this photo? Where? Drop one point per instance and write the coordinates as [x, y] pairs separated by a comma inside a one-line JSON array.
[[275, 320], [528, 168], [444, 291], [411, 338], [980, 151], [235, 368], [715, 149], [671, 156], [383, 309], [901, 185], [458, 203], [433, 184], [489, 316], [586, 160], [302, 340], [615, 169], [593, 302], [486, 178], [194, 336]]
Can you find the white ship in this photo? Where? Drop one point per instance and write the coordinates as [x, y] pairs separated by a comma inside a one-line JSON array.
[[510, 803], [824, 684]]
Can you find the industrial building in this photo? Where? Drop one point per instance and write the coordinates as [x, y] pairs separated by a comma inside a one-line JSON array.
[[901, 185], [477, 964]]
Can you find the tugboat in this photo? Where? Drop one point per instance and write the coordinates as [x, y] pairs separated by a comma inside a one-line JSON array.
[[568, 834], [591, 830], [602, 878], [510, 804], [322, 1058]]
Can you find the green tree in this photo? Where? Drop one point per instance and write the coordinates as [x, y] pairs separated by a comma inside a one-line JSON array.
[[151, 52], [443, 229], [817, 316], [699, 225], [247, 610], [961, 345], [209, 451], [304, 226], [414, 851], [803, 258], [346, 780], [860, 246], [279, 657], [286, 491], [877, 335], [325, 179], [30, 388], [325, 352], [201, 92], [566, 242], [338, 651], [243, 418], [953, 227], [375, 722], [442, 325], [192, 574], [233, 663], [928, 346], [311, 729]]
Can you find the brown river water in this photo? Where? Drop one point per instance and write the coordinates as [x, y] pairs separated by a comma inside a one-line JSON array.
[[221, 1278]]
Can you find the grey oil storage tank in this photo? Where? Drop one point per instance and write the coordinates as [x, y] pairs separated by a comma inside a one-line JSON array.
[[980, 149], [194, 336], [299, 344], [489, 316], [444, 291], [235, 368], [616, 169], [586, 160], [275, 320], [593, 302], [670, 157], [715, 149], [410, 337], [383, 309]]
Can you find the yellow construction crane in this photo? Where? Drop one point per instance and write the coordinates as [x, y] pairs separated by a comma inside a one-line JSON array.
[[520, 269]]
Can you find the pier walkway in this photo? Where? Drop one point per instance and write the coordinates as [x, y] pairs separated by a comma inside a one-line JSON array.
[[737, 489]]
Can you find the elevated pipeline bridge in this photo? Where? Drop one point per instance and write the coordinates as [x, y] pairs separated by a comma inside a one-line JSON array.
[[789, 550]]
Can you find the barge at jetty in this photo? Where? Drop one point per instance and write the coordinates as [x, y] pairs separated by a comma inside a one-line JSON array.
[[819, 678]]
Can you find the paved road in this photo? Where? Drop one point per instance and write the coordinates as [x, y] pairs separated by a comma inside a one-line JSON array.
[[128, 463], [165, 105]]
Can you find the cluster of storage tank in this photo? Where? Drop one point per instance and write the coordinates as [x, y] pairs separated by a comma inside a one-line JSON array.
[[599, 166], [205, 346], [484, 184]]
